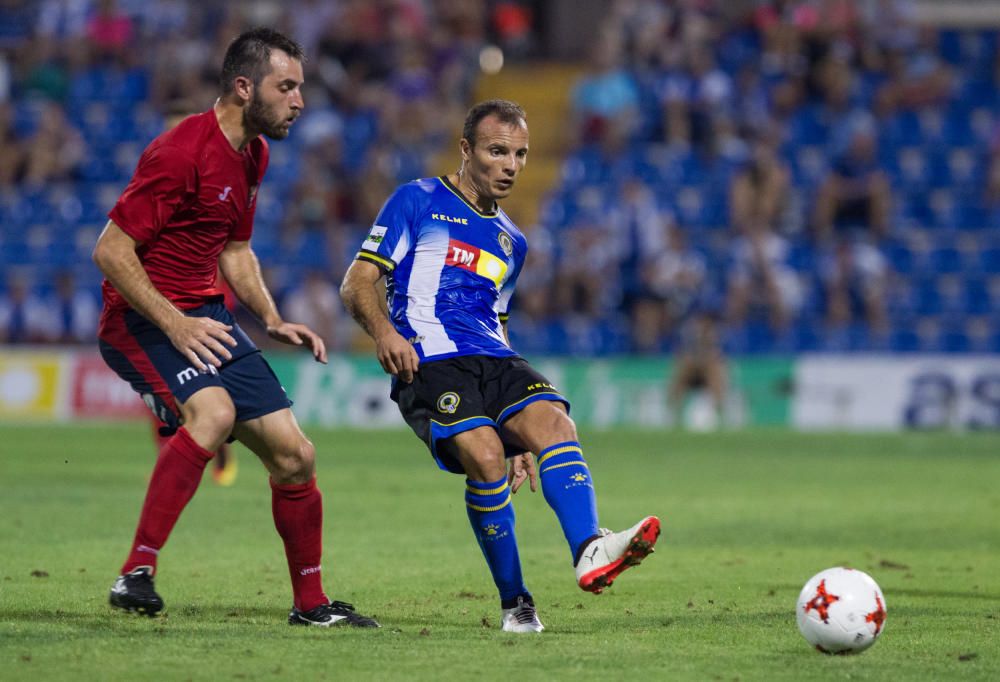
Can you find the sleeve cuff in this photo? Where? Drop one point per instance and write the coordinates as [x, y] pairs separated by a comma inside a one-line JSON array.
[[384, 264]]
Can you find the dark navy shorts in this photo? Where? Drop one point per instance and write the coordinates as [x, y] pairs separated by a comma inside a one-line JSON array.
[[462, 393], [141, 354]]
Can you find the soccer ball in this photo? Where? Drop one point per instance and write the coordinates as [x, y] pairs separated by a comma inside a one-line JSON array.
[[841, 611]]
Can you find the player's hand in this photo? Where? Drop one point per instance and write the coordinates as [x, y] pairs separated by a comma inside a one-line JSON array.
[[299, 335], [397, 356], [202, 341], [522, 467]]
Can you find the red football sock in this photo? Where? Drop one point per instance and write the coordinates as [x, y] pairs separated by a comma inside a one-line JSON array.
[[175, 477], [298, 516]]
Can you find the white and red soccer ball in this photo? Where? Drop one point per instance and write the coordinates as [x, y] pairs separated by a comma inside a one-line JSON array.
[[841, 611]]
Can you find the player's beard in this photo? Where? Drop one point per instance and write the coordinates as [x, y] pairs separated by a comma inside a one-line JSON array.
[[261, 118]]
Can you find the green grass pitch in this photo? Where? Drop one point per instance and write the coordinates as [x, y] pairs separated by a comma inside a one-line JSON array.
[[748, 517]]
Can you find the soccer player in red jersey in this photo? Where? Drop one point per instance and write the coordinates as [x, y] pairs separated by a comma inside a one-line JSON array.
[[186, 214]]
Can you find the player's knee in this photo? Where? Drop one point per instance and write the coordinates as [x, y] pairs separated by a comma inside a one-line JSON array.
[[485, 464], [561, 426], [297, 464], [213, 420]]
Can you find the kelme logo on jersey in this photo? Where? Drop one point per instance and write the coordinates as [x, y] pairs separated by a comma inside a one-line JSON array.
[[448, 402], [449, 219], [505, 243], [375, 238], [477, 260]]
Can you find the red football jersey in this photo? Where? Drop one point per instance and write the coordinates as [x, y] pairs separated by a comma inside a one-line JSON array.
[[190, 195]]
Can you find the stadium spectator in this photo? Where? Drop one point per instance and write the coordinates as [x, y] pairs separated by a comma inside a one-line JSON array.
[[186, 214], [699, 364], [760, 277], [316, 302], [453, 257], [23, 314], [110, 32], [606, 96], [588, 282], [851, 218], [55, 151], [72, 312], [11, 159], [673, 277]]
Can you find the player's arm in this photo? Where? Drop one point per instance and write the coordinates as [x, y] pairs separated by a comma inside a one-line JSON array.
[[240, 267], [361, 298], [201, 339]]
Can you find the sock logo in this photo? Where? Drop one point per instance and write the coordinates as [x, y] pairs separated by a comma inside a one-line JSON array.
[[493, 532], [147, 549], [578, 477], [310, 569]]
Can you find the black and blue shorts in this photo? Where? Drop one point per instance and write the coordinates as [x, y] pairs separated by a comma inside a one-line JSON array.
[[458, 394]]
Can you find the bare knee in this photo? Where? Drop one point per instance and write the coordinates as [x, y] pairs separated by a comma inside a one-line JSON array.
[[550, 422], [295, 464], [563, 427], [480, 453], [209, 422]]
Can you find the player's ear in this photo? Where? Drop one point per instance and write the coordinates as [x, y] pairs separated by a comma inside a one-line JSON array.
[[243, 87], [466, 149]]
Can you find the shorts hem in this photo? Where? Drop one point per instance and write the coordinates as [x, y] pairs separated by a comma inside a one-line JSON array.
[[509, 411], [441, 431]]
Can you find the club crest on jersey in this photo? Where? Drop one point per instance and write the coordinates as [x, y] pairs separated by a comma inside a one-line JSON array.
[[505, 243], [448, 402]]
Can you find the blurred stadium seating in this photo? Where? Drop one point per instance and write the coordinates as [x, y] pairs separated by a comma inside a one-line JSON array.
[[389, 85]]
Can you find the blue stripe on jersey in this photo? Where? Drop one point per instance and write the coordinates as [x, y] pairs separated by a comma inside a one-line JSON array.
[[451, 269]]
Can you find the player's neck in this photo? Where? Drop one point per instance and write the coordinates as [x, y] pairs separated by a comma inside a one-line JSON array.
[[230, 118], [471, 193]]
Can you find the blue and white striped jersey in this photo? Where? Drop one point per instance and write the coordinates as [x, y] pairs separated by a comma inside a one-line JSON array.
[[450, 269]]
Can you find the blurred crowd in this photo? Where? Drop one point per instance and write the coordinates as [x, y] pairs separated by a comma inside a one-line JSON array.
[[809, 174], [85, 84], [805, 174]]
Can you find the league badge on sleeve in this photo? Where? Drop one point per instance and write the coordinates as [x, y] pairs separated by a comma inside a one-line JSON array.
[[375, 238]]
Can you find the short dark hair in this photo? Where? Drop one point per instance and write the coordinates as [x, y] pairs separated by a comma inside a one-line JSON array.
[[250, 55], [503, 109]]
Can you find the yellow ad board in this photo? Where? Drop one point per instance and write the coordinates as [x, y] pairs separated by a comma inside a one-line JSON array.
[[29, 384]]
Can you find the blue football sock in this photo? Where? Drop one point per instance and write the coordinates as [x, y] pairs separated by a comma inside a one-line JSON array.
[[569, 490], [492, 517]]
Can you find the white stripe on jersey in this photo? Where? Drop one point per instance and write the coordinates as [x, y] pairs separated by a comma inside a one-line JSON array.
[[402, 246], [500, 307], [422, 289]]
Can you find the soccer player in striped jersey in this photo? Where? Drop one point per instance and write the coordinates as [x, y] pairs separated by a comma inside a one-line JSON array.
[[452, 257]]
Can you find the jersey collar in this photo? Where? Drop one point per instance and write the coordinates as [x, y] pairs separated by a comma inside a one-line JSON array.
[[458, 193]]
